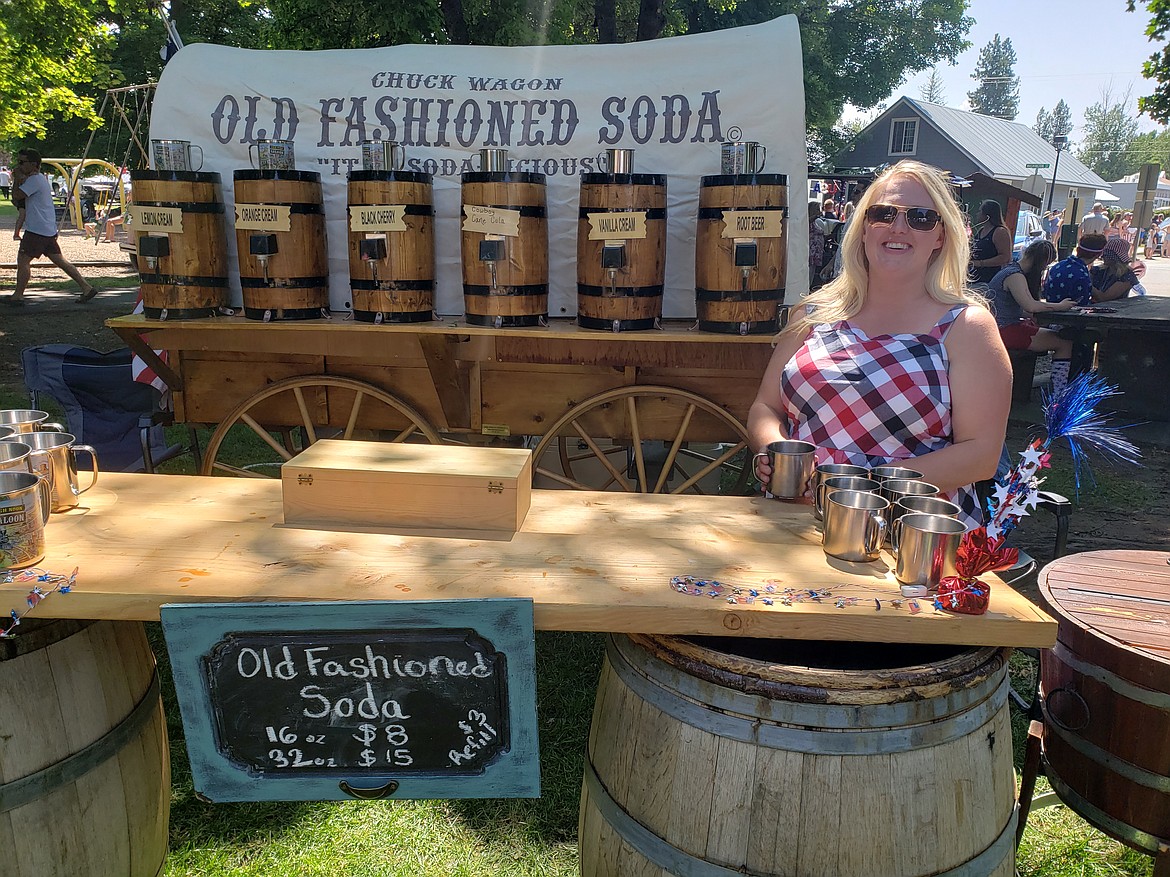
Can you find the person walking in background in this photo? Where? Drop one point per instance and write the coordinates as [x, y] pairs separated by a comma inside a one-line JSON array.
[[36, 217], [5, 182], [1094, 223], [1051, 223], [816, 244]]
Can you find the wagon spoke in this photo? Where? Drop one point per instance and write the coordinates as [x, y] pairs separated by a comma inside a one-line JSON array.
[[305, 419], [679, 437], [359, 396], [268, 439], [236, 470], [711, 467], [602, 457], [636, 438], [406, 433]]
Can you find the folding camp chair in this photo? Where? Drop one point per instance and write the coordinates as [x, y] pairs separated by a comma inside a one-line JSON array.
[[105, 408]]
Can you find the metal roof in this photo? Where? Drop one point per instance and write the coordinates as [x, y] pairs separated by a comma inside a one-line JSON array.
[[1000, 147]]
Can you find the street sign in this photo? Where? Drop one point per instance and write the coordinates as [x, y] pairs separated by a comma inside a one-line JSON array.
[[1043, 165]]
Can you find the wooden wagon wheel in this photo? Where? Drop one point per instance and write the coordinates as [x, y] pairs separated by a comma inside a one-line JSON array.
[[605, 443], [357, 411]]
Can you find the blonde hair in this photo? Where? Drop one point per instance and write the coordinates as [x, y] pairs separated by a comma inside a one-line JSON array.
[[946, 277]]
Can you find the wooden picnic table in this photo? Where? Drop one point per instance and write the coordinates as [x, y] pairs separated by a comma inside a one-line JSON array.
[[591, 561]]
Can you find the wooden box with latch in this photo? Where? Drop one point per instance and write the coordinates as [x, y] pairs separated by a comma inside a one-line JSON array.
[[440, 490]]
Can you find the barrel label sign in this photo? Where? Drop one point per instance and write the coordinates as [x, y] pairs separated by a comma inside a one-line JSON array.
[[377, 217], [168, 220], [753, 223], [624, 226], [331, 701], [491, 220], [264, 217]]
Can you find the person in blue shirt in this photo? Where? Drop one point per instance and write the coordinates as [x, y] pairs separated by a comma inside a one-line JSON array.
[[1069, 278]]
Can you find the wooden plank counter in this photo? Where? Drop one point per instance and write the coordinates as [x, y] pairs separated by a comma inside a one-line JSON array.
[[591, 561]]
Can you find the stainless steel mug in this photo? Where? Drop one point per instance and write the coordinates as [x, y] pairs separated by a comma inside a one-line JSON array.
[[840, 482], [616, 161], [881, 473], [174, 155], [927, 505], [383, 155], [24, 511], [25, 420], [926, 546], [792, 465], [893, 489], [6, 432], [54, 456], [832, 470], [855, 526], [742, 157], [14, 457], [493, 160], [273, 155]]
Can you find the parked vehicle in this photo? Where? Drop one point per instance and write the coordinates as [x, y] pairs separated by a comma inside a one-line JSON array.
[[1028, 229]]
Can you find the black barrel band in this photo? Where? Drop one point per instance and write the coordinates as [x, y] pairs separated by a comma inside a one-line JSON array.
[[506, 321], [392, 285], [184, 280], [717, 212], [185, 206], [179, 313], [745, 180], [394, 316], [276, 314], [295, 176], [759, 327], [488, 292], [390, 177], [533, 212], [73, 767], [713, 295], [175, 176], [651, 212], [503, 177], [596, 179], [619, 291], [622, 325], [283, 282]]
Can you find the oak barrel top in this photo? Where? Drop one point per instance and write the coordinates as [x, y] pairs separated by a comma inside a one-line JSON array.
[[1113, 608]]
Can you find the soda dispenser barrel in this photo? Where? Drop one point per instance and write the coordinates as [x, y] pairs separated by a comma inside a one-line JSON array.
[[280, 238], [504, 246], [391, 246], [741, 252], [621, 251], [180, 241]]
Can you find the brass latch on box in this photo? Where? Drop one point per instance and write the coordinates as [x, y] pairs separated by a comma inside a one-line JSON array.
[[305, 478], [495, 487]]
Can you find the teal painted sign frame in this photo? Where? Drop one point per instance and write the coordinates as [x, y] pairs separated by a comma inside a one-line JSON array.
[[267, 645]]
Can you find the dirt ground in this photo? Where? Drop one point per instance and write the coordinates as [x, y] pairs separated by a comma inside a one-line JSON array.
[[1127, 509]]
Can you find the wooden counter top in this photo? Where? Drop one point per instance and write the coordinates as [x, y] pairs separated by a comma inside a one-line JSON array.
[[591, 562]]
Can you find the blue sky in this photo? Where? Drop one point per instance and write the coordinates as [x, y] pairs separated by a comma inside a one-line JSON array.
[[1068, 49]]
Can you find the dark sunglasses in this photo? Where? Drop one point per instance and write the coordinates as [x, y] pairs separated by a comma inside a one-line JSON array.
[[918, 218]]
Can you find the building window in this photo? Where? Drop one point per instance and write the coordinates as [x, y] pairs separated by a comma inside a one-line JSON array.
[[903, 137]]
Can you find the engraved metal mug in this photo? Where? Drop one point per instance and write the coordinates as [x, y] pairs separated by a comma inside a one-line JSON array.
[[24, 511], [926, 547], [840, 482], [855, 525], [14, 457], [792, 466], [616, 161], [273, 155], [174, 155], [832, 470], [493, 160], [742, 157], [881, 473], [26, 420], [383, 155], [54, 456]]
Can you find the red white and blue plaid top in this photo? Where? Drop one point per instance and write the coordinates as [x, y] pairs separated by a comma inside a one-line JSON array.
[[872, 401]]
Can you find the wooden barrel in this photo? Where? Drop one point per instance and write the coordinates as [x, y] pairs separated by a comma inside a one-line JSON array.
[[768, 757], [295, 285], [633, 298], [519, 296], [401, 287], [724, 300], [191, 279], [1105, 692], [85, 779]]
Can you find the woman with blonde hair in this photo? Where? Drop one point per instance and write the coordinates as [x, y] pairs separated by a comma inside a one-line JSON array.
[[894, 360]]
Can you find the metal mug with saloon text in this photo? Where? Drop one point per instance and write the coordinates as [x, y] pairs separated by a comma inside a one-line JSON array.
[[54, 456]]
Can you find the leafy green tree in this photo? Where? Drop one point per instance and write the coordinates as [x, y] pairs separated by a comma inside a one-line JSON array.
[[1109, 132], [1059, 121], [998, 93], [932, 90], [1157, 66], [1152, 146]]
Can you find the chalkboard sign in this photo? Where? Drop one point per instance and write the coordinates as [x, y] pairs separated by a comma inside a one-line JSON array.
[[330, 701]]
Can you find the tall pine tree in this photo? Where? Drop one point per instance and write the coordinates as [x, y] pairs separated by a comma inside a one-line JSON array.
[[998, 93], [932, 90], [1059, 121]]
